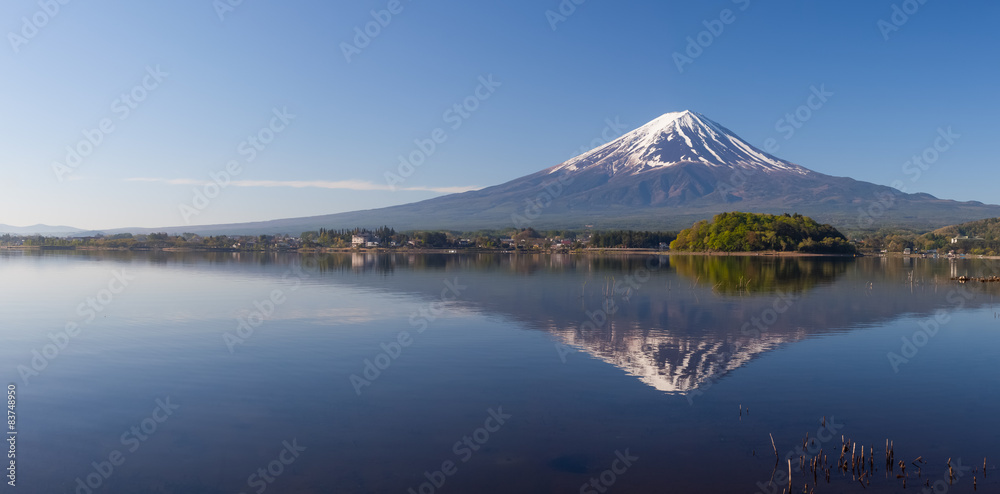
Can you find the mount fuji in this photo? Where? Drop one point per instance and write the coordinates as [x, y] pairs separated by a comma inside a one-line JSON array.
[[666, 174], [673, 139]]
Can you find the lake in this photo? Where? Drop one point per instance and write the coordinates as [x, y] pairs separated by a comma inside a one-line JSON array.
[[425, 373]]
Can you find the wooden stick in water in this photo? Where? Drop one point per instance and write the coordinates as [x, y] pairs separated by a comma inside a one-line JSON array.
[[789, 476]]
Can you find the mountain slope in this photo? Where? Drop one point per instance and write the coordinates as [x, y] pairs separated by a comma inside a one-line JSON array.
[[988, 229], [678, 168]]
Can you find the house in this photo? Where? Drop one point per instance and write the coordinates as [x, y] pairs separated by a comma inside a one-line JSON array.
[[362, 239], [964, 237]]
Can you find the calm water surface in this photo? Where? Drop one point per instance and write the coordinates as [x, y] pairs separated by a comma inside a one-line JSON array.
[[229, 373]]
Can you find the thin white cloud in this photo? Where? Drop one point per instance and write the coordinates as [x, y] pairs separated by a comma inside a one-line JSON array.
[[170, 181], [299, 184]]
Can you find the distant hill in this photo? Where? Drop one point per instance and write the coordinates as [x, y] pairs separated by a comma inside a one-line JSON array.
[[987, 229], [61, 231]]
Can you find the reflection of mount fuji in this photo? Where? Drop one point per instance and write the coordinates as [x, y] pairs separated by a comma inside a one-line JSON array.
[[675, 364], [677, 323], [693, 321]]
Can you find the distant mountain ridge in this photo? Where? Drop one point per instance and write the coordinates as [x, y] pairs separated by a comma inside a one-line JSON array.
[[674, 170], [38, 230]]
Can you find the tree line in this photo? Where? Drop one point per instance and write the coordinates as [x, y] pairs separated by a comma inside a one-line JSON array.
[[631, 239]]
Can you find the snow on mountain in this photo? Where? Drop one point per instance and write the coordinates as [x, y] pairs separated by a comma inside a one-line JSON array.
[[674, 138]]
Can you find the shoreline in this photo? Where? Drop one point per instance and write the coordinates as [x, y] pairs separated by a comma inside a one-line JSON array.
[[587, 251]]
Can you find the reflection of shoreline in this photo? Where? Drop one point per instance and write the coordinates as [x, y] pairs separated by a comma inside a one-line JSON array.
[[454, 250], [676, 365]]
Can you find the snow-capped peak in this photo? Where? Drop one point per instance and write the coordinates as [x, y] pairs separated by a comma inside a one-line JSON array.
[[674, 138]]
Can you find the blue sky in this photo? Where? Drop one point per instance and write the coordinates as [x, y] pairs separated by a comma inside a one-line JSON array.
[[221, 79]]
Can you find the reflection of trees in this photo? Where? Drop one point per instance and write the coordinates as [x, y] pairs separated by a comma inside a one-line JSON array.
[[755, 274]]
